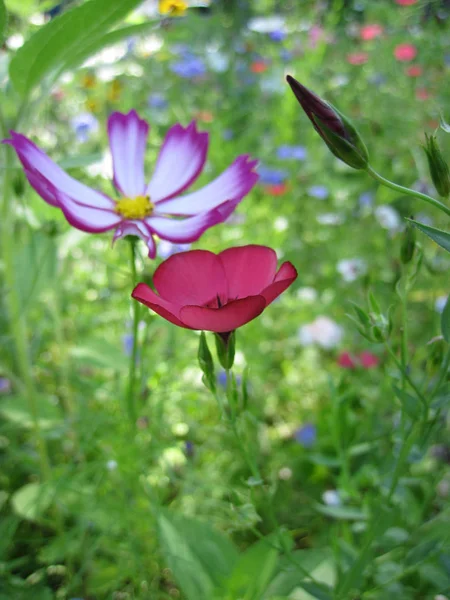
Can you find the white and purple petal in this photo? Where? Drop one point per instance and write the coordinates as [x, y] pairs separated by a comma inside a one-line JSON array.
[[232, 185], [49, 180], [87, 218], [191, 228], [180, 162], [140, 229], [127, 139]]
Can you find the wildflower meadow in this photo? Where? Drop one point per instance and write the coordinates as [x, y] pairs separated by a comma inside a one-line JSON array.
[[224, 309]]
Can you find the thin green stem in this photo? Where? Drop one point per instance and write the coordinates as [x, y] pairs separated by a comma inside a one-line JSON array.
[[407, 191], [17, 319], [407, 377], [131, 394]]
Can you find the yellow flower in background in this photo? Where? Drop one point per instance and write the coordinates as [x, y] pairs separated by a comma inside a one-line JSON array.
[[173, 8]]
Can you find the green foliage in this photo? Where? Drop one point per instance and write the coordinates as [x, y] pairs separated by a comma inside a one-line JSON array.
[[51, 50], [442, 238], [3, 20]]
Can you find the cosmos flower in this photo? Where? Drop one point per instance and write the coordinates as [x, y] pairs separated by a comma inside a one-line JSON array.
[[216, 292], [143, 209]]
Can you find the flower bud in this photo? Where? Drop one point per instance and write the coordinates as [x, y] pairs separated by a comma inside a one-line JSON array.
[[205, 360], [334, 128], [439, 170], [225, 347]]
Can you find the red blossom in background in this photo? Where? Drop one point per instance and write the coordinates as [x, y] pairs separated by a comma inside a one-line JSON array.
[[370, 32], [276, 189], [405, 2], [357, 58], [405, 52], [414, 71], [202, 290], [259, 66], [364, 359]]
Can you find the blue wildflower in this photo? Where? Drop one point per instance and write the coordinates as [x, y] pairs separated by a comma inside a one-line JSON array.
[[5, 385], [277, 35], [222, 379], [189, 67], [286, 152], [269, 176], [318, 191], [306, 435], [286, 55], [83, 125], [157, 100], [366, 200]]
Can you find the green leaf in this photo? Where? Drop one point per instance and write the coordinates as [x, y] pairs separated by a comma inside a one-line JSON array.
[[411, 404], [445, 321], [17, 410], [254, 571], [442, 238], [199, 557], [31, 501], [343, 513], [3, 21], [54, 45]]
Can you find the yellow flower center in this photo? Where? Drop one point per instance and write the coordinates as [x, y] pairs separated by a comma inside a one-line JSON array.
[[135, 208], [174, 8]]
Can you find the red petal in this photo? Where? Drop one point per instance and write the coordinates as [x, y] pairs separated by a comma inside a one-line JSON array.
[[145, 295], [248, 269], [229, 317], [195, 277], [286, 275]]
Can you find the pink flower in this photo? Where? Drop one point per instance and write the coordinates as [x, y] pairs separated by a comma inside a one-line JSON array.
[[405, 2], [357, 58], [370, 32], [423, 94], [405, 52], [202, 290], [143, 209], [414, 71], [368, 360], [364, 359], [346, 361]]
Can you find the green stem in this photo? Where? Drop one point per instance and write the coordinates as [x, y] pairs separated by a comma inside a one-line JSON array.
[[407, 191], [17, 318], [131, 395], [407, 377]]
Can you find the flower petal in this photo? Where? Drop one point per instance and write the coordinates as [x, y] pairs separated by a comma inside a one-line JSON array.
[[47, 178], [127, 139], [193, 277], [249, 269], [191, 228], [140, 229], [233, 184], [145, 295], [229, 317], [179, 163], [286, 275], [87, 218]]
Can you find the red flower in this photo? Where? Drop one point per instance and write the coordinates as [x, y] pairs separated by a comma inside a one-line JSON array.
[[370, 32], [346, 361], [202, 290], [258, 66], [405, 2], [405, 52], [368, 360], [357, 58], [414, 71], [277, 189]]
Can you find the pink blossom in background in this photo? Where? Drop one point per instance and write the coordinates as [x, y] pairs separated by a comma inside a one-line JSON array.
[[315, 35], [370, 32], [143, 209], [414, 71], [405, 2], [357, 58], [364, 359], [423, 94], [405, 52]]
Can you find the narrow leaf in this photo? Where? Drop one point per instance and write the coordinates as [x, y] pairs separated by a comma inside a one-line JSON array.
[[55, 43], [445, 321], [442, 238], [3, 21]]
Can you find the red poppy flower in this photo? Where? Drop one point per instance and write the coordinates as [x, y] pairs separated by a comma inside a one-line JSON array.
[[414, 71], [202, 290], [357, 58], [370, 32], [277, 189], [259, 66], [405, 52]]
